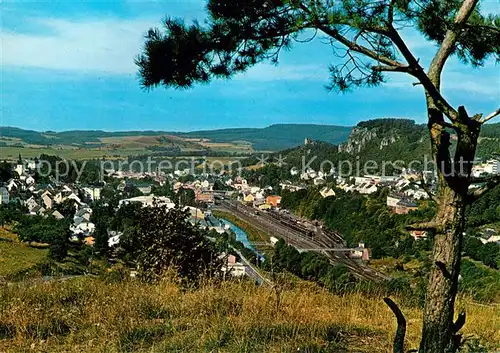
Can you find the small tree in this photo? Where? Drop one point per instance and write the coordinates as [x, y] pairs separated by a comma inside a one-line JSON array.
[[365, 37], [101, 239], [167, 239]]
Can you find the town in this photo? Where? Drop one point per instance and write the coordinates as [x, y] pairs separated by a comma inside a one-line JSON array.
[[204, 192]]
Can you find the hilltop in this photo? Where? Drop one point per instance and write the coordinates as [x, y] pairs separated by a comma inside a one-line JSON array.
[[278, 136]]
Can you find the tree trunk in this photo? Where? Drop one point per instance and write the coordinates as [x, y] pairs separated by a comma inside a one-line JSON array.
[[438, 330], [439, 334]]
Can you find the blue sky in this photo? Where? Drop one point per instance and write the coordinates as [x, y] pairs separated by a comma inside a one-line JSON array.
[[69, 65]]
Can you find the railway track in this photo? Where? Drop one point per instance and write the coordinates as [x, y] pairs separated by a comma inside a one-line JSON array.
[[303, 235]]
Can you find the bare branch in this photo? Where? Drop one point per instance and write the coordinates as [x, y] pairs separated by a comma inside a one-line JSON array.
[[431, 225], [390, 12], [460, 322], [449, 41], [399, 339], [443, 269], [490, 116], [417, 71], [359, 48], [390, 68]]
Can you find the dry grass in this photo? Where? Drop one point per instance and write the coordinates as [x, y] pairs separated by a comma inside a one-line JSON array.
[[95, 315]]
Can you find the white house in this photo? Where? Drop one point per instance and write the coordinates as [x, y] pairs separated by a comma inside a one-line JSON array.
[[148, 201], [319, 181], [31, 204], [12, 184], [29, 180], [31, 165], [494, 239], [57, 215], [19, 169], [146, 190], [47, 200], [367, 189], [83, 227], [92, 193], [392, 200]]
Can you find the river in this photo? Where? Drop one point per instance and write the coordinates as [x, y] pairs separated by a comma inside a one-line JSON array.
[[242, 237]]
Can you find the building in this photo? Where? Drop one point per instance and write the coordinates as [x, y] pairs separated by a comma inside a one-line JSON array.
[[405, 206], [392, 200], [47, 200], [274, 201], [327, 192], [419, 234], [319, 181], [148, 201], [19, 169], [366, 188], [4, 195], [92, 193], [146, 190], [204, 196], [360, 252], [234, 268], [249, 198]]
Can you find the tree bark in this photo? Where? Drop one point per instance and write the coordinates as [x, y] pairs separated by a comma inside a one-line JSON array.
[[439, 333]]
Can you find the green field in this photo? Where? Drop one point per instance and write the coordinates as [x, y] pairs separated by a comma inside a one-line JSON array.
[[120, 147]]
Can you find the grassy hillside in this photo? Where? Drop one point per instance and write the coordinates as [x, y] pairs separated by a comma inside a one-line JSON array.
[[16, 257], [101, 315]]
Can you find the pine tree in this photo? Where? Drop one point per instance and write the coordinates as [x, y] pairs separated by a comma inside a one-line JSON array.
[[240, 34]]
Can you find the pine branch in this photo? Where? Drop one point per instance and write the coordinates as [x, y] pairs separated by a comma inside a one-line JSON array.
[[325, 27]]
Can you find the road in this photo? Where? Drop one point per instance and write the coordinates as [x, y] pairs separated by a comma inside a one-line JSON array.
[[302, 234], [251, 270]]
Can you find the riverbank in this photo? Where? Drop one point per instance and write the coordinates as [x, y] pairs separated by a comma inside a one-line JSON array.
[[254, 235]]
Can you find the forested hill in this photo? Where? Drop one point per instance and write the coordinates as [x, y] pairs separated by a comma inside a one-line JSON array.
[[402, 139], [381, 140], [278, 136]]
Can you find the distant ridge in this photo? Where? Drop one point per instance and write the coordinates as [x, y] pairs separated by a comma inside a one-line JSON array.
[[271, 138]]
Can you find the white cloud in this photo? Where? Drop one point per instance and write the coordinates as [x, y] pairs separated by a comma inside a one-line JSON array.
[[108, 45]]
